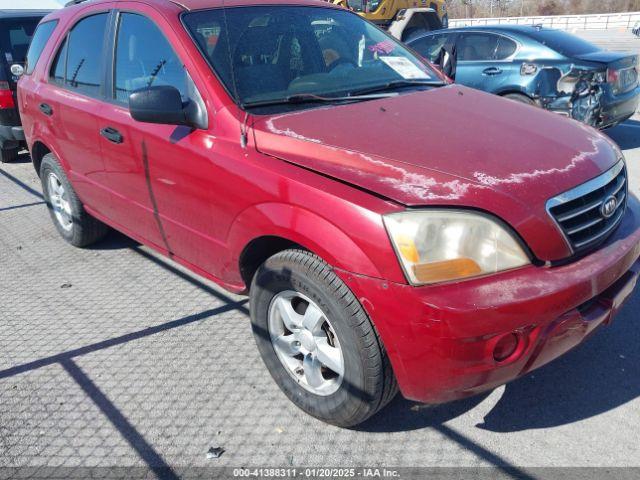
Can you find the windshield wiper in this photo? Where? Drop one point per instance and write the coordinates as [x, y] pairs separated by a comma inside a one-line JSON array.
[[399, 84], [312, 98]]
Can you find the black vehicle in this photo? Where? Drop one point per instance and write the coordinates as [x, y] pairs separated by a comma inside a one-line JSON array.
[[16, 30]]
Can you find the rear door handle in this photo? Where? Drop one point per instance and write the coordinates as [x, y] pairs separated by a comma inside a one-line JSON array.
[[112, 135], [492, 71], [46, 109]]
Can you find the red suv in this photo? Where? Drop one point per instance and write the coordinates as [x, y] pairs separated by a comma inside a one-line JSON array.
[[391, 229]]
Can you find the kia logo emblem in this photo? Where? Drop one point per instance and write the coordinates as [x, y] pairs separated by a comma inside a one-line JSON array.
[[609, 207]]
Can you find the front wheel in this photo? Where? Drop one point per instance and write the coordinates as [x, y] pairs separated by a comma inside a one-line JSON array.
[[317, 341]]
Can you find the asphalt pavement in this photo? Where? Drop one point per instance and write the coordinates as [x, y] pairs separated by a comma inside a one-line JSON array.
[[115, 356]]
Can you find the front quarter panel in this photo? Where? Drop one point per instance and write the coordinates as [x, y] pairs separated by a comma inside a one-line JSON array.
[[310, 231], [338, 222]]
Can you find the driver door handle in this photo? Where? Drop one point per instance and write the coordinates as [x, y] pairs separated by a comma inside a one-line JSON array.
[[492, 71], [46, 109], [111, 134]]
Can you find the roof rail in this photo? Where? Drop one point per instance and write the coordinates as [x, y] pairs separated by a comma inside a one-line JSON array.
[[73, 2]]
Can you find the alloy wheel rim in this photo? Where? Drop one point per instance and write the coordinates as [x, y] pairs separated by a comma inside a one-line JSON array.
[[306, 343], [60, 202]]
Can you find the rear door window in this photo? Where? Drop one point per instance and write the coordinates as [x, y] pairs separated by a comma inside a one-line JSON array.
[[506, 48], [40, 39], [483, 47], [58, 66], [83, 71], [144, 58]]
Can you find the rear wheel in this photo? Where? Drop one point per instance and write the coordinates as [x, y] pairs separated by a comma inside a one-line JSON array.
[[518, 97], [70, 218], [317, 341], [9, 154]]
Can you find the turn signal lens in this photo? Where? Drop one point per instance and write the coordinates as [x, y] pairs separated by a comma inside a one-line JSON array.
[[407, 248], [446, 270]]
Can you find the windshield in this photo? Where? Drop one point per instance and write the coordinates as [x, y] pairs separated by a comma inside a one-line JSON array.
[[270, 53]]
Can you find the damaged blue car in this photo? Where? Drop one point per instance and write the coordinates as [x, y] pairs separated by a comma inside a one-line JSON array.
[[549, 68]]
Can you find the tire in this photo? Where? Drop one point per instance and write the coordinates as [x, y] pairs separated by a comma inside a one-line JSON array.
[[367, 383], [9, 154], [70, 218], [518, 97]]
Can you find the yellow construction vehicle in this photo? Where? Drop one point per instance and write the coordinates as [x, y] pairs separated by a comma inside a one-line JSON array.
[[403, 18]]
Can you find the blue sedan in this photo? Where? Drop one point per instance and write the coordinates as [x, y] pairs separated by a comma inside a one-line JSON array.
[[548, 68]]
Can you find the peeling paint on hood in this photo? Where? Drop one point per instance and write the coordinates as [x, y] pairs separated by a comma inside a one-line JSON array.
[[448, 146]]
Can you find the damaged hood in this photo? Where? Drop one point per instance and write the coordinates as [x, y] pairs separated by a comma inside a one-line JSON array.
[[450, 146]]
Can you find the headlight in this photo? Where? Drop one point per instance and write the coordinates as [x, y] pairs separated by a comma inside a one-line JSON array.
[[442, 245]]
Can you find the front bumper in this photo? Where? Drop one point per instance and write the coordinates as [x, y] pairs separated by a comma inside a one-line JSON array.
[[441, 339]]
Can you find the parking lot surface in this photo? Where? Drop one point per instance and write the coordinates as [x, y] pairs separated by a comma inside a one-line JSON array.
[[115, 356]]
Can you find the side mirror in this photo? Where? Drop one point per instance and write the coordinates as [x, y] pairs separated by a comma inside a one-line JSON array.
[[17, 70], [162, 104]]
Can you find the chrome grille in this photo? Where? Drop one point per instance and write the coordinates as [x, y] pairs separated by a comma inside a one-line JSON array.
[[587, 214]]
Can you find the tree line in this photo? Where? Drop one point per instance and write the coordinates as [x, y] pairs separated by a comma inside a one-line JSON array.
[[515, 8]]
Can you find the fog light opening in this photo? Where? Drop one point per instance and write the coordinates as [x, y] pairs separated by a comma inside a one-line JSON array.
[[506, 347]]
